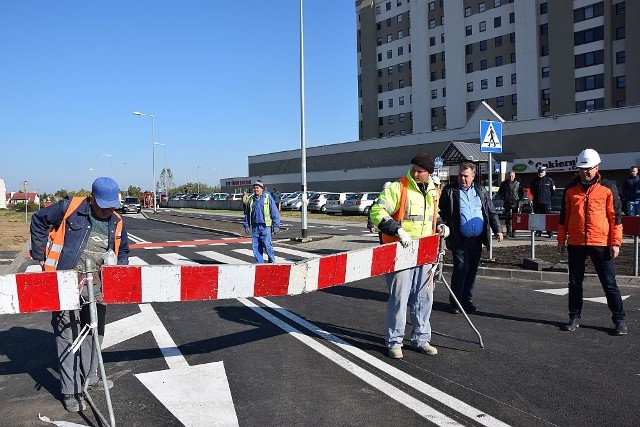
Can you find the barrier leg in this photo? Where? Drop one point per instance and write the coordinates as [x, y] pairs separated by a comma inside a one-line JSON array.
[[439, 272], [97, 353], [635, 255]]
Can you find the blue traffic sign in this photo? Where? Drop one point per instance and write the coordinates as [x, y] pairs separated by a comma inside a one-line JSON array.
[[438, 162], [490, 136]]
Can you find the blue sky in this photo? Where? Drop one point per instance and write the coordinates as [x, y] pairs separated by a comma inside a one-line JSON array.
[[220, 77]]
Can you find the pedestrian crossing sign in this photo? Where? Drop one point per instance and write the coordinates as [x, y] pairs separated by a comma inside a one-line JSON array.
[[490, 136]]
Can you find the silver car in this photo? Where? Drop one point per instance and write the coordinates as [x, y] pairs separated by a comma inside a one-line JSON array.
[[334, 202], [359, 203], [318, 202]]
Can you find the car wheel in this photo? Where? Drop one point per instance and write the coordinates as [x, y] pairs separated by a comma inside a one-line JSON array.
[[323, 209], [366, 210]]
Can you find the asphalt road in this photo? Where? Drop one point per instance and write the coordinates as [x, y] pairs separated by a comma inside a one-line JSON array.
[[319, 358]]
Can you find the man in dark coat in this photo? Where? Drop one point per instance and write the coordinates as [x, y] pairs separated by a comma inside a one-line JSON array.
[[542, 188], [511, 194]]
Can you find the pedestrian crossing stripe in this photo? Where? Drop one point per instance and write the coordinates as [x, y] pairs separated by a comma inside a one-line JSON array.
[[565, 291]]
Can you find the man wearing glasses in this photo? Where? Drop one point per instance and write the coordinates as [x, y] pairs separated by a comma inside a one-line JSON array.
[[590, 225]]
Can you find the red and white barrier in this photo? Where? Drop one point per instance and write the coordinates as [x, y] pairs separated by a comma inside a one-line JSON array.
[[32, 292], [535, 222]]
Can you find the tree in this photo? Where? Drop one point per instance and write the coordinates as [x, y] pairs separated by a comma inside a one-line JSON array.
[[166, 180], [134, 191]]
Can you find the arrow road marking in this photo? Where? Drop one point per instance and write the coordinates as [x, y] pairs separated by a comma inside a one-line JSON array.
[[195, 395]]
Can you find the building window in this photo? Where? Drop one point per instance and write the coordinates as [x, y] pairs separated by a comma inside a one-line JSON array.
[[388, 6], [620, 8], [545, 72], [546, 94], [388, 21], [620, 57], [378, 10], [432, 23], [380, 105], [392, 133], [468, 49], [401, 67], [379, 57], [401, 100], [483, 45], [399, 18], [482, 26], [400, 50], [442, 55], [588, 35], [467, 11], [432, 58], [432, 5], [390, 103], [470, 106], [514, 78], [620, 33], [444, 92], [590, 105], [544, 50], [499, 60], [390, 86], [514, 99], [496, 3], [444, 111], [379, 88], [378, 25], [512, 17], [434, 112], [389, 54], [442, 37], [379, 41], [588, 12], [544, 29], [444, 73], [621, 103], [432, 41], [589, 82], [589, 58], [481, 7], [512, 38], [434, 76], [483, 64], [400, 34], [470, 87], [544, 8], [398, 3], [389, 38], [497, 41], [512, 57], [389, 70], [379, 73], [499, 81], [434, 93], [497, 21], [400, 83], [380, 122], [468, 30], [621, 81], [483, 84], [391, 119], [401, 117], [470, 67], [500, 101]]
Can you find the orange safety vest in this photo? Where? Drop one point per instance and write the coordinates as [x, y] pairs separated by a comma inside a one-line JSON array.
[[56, 236], [400, 212]]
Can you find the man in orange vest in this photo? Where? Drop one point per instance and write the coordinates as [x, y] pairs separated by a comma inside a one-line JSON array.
[[406, 210], [63, 236]]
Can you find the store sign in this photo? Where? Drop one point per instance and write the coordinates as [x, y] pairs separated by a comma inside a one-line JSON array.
[[568, 163]]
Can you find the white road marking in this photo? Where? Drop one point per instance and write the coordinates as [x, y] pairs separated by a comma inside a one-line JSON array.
[[603, 300], [221, 258], [136, 239], [561, 291], [420, 386], [249, 252], [134, 260], [177, 259]]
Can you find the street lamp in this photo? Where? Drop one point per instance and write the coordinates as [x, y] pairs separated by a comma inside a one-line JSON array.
[[153, 154], [198, 177], [26, 201], [303, 153], [110, 164]]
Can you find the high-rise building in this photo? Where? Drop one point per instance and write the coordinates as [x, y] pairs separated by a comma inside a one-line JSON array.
[[427, 65]]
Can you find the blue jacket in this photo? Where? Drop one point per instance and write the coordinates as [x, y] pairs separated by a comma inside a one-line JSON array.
[[256, 216], [77, 231]]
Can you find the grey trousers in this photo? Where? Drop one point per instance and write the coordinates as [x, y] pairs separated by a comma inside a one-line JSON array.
[[74, 368]]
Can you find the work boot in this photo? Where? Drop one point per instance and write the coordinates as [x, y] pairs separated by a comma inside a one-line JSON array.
[[427, 349], [572, 325], [550, 234], [98, 384], [620, 329], [453, 309], [469, 307], [74, 402], [395, 352]]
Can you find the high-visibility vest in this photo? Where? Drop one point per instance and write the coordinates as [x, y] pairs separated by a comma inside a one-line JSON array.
[[401, 211], [267, 210], [55, 242]]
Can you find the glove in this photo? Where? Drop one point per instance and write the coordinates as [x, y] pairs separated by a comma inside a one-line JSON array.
[[275, 230], [246, 231], [443, 231], [405, 239]]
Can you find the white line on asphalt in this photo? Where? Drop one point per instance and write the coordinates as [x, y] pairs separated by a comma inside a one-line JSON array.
[[136, 239], [249, 252], [422, 387], [225, 259], [134, 260], [395, 393], [177, 259]]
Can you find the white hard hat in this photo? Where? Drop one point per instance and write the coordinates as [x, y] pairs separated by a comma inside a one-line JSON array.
[[588, 158], [435, 180], [386, 184]]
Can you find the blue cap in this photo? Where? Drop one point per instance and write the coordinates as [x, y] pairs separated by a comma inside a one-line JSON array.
[[106, 193]]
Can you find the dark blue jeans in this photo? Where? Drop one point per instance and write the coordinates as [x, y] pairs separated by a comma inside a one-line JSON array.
[[466, 258], [603, 263]]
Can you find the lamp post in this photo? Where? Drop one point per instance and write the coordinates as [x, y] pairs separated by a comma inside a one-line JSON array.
[[198, 177], [303, 153], [26, 201], [153, 154], [110, 164]]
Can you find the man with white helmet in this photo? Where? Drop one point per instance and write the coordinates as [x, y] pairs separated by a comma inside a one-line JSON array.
[[590, 225]]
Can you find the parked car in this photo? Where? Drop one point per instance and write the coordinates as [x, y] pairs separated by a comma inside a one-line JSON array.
[[359, 203], [318, 202], [335, 202], [236, 196], [131, 204], [524, 205]]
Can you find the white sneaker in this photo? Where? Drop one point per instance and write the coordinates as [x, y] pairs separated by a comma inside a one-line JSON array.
[[395, 352], [427, 349]]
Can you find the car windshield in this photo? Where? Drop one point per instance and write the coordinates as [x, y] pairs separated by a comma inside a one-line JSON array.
[[131, 200]]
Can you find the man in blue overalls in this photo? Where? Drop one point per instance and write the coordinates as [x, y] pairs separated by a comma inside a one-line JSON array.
[[261, 215]]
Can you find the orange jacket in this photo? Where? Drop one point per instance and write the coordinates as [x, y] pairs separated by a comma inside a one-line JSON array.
[[591, 217]]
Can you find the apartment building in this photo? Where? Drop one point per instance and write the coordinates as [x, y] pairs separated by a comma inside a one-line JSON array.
[[427, 65]]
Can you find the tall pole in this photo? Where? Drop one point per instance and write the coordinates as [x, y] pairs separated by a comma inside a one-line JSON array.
[[153, 154], [26, 202], [198, 177], [303, 153]]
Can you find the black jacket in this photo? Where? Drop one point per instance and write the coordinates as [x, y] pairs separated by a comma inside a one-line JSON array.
[[450, 213], [631, 188], [511, 193], [542, 190]]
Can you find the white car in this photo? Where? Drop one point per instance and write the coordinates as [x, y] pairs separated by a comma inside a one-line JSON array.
[[359, 203]]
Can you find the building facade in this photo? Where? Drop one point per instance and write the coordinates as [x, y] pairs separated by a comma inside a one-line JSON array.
[[427, 65]]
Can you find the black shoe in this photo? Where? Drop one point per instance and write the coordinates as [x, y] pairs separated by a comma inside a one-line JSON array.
[[538, 233], [549, 235], [74, 402], [454, 310], [572, 325], [621, 328], [513, 235], [469, 307]]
